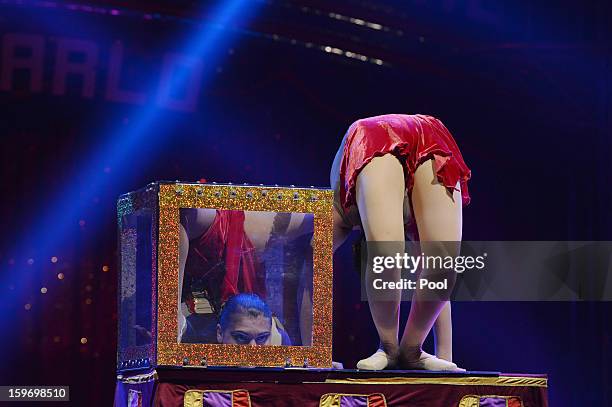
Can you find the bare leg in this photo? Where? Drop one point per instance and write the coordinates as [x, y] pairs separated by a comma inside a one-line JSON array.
[[183, 250], [380, 197], [438, 216], [194, 222], [443, 333]]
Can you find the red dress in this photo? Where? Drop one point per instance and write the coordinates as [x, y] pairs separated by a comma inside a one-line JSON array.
[[413, 139], [224, 261]]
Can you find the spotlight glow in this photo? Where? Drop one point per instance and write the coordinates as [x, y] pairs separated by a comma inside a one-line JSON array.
[[107, 164]]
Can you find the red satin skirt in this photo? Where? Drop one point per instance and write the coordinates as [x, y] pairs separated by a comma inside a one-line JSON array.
[[224, 259], [413, 139]]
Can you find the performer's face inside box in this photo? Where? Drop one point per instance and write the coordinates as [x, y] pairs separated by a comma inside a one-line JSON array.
[[267, 255], [245, 320]]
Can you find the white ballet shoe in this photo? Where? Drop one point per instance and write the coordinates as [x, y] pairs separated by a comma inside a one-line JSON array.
[[378, 361], [425, 361]]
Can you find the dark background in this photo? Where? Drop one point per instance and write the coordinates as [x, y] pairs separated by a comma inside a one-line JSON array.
[[524, 88]]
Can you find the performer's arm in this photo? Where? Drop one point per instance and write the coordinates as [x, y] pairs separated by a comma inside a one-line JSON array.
[[300, 224]]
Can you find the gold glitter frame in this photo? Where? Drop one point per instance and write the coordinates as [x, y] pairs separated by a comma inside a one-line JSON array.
[[173, 197]]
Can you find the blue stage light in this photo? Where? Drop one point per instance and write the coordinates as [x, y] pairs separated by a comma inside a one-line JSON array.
[[121, 150]]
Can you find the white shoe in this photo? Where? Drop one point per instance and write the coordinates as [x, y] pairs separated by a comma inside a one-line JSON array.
[[378, 361]]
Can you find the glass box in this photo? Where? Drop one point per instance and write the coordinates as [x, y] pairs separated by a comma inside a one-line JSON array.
[[224, 275]]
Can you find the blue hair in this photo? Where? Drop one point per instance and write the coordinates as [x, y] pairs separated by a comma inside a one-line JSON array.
[[248, 303]]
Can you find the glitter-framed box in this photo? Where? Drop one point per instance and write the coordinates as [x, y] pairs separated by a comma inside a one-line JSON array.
[[150, 226]]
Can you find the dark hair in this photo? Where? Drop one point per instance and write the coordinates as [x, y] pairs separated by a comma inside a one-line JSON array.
[[248, 303]]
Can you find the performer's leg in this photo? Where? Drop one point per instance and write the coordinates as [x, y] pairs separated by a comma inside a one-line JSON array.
[[380, 197], [183, 250], [194, 222], [443, 333], [438, 217]]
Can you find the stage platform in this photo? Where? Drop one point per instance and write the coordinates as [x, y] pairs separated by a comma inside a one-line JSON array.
[[264, 387]]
